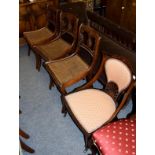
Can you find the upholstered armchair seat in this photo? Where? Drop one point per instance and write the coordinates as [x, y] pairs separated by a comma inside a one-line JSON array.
[[117, 138], [67, 69], [38, 36], [91, 107], [53, 50]]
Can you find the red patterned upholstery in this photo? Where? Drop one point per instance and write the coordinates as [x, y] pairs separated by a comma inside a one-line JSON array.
[[117, 138]]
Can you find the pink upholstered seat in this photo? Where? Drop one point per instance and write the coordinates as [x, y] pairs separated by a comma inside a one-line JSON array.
[[117, 138], [91, 107]]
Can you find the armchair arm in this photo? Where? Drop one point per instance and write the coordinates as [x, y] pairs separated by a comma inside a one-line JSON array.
[[61, 59], [95, 78], [72, 81], [51, 39]]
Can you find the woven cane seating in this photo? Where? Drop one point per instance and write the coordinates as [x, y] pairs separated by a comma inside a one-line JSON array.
[[92, 108], [54, 50], [44, 34], [71, 68], [63, 44], [67, 71]]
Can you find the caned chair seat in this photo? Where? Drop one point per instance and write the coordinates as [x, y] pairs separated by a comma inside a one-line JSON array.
[[54, 49], [91, 107], [38, 36], [67, 69], [117, 138]]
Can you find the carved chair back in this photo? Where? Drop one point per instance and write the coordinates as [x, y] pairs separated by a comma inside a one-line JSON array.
[[88, 44], [119, 76], [39, 14], [53, 18], [69, 26]]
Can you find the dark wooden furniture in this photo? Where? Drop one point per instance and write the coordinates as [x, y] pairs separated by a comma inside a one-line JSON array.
[[122, 12], [63, 44], [76, 8], [88, 3], [26, 136], [92, 108], [23, 145], [32, 15], [67, 71], [116, 40], [100, 7], [47, 33]]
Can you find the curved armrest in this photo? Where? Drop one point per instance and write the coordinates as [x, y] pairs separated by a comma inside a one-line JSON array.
[[95, 78], [51, 39], [72, 81], [61, 59]]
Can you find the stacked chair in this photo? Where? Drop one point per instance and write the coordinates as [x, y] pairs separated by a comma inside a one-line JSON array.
[[67, 71], [46, 33], [63, 52], [60, 44]]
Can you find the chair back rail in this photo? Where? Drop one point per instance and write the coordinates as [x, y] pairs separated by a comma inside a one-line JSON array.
[[88, 45]]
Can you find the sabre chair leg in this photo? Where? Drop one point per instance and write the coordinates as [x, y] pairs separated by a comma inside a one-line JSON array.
[[26, 148], [51, 83], [64, 110], [23, 134], [94, 151], [88, 142], [38, 62], [29, 50]]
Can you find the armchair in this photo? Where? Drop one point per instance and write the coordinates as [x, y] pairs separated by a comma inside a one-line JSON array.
[[92, 108], [67, 71], [63, 44]]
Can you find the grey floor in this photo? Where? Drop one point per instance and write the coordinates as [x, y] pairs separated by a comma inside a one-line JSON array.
[[50, 132]]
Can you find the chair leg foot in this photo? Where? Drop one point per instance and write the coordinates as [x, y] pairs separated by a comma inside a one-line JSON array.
[[23, 134], [29, 50], [51, 83], [88, 142], [26, 148], [38, 62], [64, 110]]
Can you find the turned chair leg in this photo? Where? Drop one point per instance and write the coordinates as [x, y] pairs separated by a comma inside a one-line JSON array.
[[23, 134], [26, 148]]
